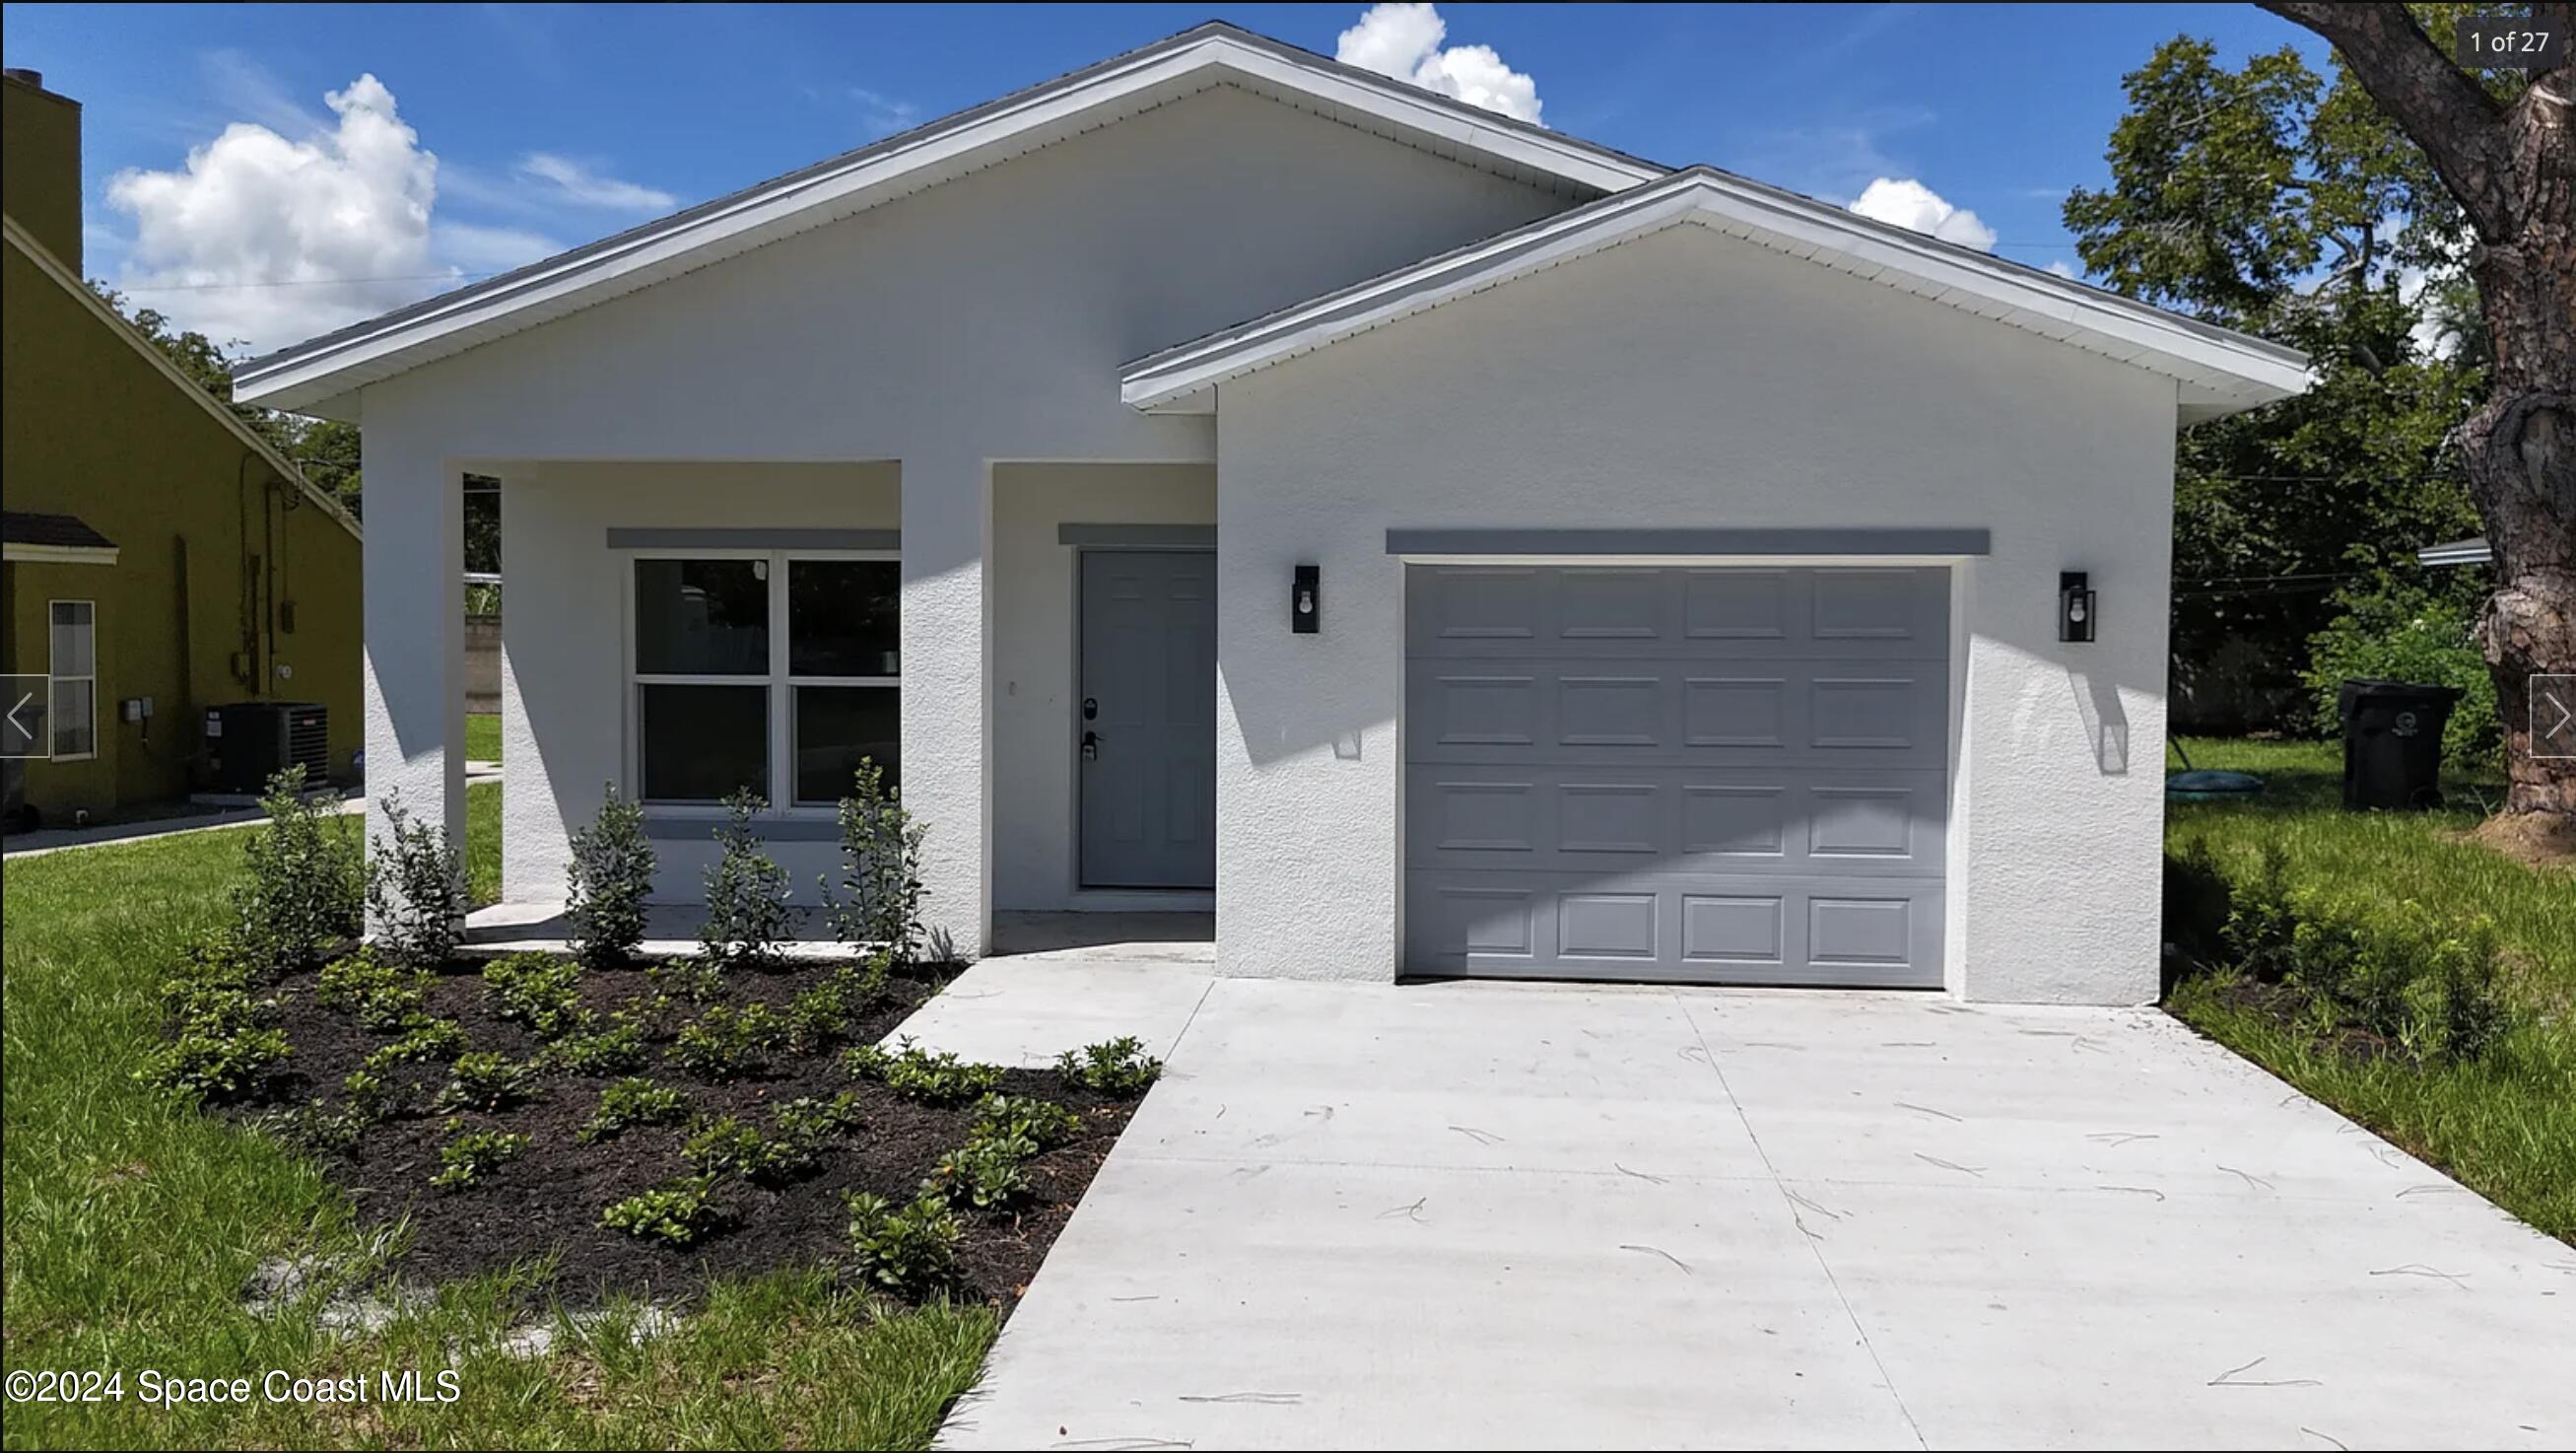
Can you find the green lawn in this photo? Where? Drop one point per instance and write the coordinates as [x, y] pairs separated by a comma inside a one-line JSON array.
[[2506, 1125], [482, 737], [131, 1223]]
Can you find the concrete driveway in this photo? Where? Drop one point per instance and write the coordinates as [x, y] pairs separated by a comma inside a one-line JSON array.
[[1510, 1215]]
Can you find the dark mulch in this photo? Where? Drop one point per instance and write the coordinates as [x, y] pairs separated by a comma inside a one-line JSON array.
[[546, 1204]]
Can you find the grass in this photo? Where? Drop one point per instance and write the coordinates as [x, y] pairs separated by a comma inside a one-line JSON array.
[[482, 737], [2505, 1126], [131, 1223]]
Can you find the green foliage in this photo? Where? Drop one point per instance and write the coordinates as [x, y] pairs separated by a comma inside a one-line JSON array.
[[697, 980], [1044, 1124], [302, 890], [727, 1044], [471, 1156], [223, 1044], [610, 877], [917, 1074], [382, 997], [2412, 635], [416, 888], [612, 1050], [371, 1097], [1112, 1067], [484, 1080], [911, 1251], [422, 1041], [988, 1172], [726, 1149], [748, 918], [678, 1213], [825, 1012], [631, 1102], [879, 905], [537, 990]]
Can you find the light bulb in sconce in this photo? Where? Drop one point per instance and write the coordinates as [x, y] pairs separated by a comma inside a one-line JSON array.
[[1305, 600]]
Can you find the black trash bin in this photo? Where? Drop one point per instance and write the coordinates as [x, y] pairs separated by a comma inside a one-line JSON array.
[[2392, 743]]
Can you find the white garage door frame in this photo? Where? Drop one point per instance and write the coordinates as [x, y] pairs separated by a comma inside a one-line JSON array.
[[1954, 551]]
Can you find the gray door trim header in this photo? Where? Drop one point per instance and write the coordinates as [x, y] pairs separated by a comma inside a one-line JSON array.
[[1891, 541]]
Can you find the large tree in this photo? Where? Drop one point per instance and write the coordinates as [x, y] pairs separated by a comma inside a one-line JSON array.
[[2509, 167]]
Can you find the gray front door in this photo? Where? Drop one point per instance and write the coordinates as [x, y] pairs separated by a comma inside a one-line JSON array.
[[1709, 775], [1147, 729]]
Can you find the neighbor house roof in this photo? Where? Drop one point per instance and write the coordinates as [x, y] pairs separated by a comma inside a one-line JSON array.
[[314, 376], [2219, 372], [151, 353], [58, 539]]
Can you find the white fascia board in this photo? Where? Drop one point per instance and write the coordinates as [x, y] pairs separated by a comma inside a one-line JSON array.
[[2220, 371], [316, 372], [17, 554]]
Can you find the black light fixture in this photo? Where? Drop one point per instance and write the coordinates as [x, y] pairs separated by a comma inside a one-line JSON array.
[[2074, 607], [1306, 601]]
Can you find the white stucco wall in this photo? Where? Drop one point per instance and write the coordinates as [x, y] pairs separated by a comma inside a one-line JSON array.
[[1690, 380], [979, 322]]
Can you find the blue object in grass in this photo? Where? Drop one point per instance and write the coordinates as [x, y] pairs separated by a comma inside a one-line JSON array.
[[2209, 785]]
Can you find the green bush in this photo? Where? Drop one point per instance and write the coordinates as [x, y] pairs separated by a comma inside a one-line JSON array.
[[748, 918], [2411, 635], [223, 1044], [725, 1149], [988, 1172], [487, 1081], [700, 981], [537, 990], [471, 1156], [1044, 1124], [423, 1041], [304, 880], [380, 996], [416, 888], [605, 887], [1112, 1067], [631, 1102], [727, 1044], [917, 1074], [911, 1251], [879, 904], [679, 1212], [613, 1050], [813, 1020]]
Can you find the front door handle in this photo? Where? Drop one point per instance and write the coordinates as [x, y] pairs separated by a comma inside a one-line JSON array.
[[1091, 746]]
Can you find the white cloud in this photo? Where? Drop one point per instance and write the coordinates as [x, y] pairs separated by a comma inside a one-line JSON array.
[[574, 182], [330, 229], [478, 250], [1403, 41], [1910, 204], [2058, 265]]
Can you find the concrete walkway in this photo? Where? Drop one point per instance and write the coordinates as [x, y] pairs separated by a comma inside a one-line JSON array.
[[1473, 1215]]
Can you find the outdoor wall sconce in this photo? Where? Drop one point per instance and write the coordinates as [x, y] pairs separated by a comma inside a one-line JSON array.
[[1306, 600], [2074, 607]]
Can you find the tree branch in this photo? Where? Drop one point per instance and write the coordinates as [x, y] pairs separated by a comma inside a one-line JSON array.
[[2439, 106]]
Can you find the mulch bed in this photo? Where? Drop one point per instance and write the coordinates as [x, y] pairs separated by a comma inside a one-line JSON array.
[[546, 1204]]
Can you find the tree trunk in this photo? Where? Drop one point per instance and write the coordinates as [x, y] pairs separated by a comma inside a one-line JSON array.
[[2513, 171]]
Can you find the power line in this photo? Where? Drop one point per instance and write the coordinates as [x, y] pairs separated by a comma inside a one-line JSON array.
[[309, 282]]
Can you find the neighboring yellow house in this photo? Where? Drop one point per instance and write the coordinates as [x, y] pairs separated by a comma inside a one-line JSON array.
[[161, 558]]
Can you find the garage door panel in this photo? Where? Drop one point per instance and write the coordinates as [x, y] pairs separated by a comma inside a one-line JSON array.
[[1599, 613], [1829, 713], [1688, 820]]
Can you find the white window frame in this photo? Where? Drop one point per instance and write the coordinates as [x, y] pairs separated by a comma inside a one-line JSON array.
[[782, 685], [54, 685]]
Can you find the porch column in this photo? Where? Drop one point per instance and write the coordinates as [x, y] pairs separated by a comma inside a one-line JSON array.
[[946, 637], [415, 633]]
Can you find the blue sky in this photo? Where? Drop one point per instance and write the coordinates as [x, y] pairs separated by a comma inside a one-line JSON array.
[[551, 125]]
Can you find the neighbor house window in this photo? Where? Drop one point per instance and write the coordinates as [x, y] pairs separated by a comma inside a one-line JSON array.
[[775, 672], [73, 698]]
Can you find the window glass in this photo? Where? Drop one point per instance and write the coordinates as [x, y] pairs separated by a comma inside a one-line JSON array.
[[841, 618], [74, 716], [702, 743], [702, 617], [74, 645], [837, 726]]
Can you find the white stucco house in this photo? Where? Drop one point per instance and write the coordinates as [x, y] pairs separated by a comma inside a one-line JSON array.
[[1222, 477]]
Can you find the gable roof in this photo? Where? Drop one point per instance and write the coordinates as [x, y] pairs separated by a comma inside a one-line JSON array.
[[2218, 371], [314, 375], [134, 338]]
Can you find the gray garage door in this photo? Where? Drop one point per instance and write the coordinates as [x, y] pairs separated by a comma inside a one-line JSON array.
[[1708, 775]]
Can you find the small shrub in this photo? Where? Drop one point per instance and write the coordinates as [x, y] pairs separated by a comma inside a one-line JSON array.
[[223, 1044], [813, 1020], [423, 1041], [487, 1081], [911, 1251], [1112, 1067], [605, 887], [415, 888], [879, 905], [748, 918], [699, 981], [539, 991], [725, 1149], [382, 997], [471, 1156], [302, 888], [613, 1050], [727, 1044], [679, 1212], [631, 1102], [2406, 634], [1044, 1124], [811, 1121], [373, 1098], [987, 1172], [917, 1074]]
